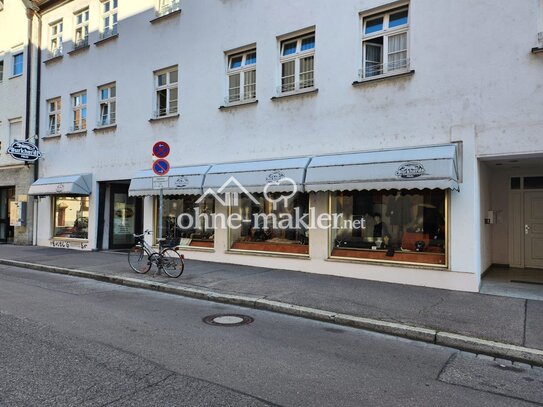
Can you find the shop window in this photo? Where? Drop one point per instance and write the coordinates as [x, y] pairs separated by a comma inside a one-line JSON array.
[[71, 217], [533, 183], [265, 227], [186, 222], [407, 226], [515, 183]]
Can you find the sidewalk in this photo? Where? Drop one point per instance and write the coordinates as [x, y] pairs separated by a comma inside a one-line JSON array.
[[428, 314]]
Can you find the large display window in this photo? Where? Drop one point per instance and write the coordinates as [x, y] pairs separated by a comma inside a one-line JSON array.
[[271, 224], [186, 222], [71, 217], [404, 226]]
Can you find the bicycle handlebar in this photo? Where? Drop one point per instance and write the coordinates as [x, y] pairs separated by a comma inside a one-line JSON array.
[[146, 232]]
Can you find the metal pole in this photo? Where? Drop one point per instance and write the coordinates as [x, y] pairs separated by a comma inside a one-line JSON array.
[[160, 211]]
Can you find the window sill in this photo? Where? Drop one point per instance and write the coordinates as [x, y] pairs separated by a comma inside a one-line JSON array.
[[78, 49], [308, 91], [268, 254], [165, 117], [107, 127], [379, 78], [77, 133], [165, 16], [238, 104], [537, 50], [15, 76], [53, 59], [51, 136], [103, 40], [388, 263]]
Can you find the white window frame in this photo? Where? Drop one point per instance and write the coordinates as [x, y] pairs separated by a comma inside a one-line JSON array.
[[169, 110], [82, 27], [386, 33], [111, 15], [109, 103], [56, 37], [81, 124], [165, 7], [299, 85], [246, 91], [13, 58], [54, 116]]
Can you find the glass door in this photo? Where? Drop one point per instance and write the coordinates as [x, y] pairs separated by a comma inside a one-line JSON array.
[[125, 218]]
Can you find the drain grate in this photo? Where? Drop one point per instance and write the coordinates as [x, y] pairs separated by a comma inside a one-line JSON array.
[[228, 319]]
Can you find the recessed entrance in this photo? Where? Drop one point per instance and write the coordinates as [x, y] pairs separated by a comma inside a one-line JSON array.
[[7, 230]]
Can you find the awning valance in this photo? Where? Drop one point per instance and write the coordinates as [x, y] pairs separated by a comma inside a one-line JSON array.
[[179, 181], [68, 185], [411, 168], [282, 175]]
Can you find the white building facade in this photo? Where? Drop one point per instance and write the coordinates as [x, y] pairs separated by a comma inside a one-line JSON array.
[[416, 122], [18, 83]]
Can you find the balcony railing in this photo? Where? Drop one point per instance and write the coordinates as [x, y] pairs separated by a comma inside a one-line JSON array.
[[372, 70], [105, 121], [81, 43], [288, 86], [57, 52], [108, 32], [78, 127], [53, 129], [164, 112], [168, 7]]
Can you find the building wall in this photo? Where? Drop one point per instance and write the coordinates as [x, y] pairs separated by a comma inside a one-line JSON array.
[[13, 96], [463, 90]]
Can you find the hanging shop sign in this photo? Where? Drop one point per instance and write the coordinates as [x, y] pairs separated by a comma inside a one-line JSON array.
[[24, 151]]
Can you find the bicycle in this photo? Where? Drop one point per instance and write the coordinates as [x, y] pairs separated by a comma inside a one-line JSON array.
[[142, 256]]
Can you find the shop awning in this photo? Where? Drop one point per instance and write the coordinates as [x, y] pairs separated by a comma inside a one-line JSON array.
[[412, 168], [179, 181], [68, 185], [285, 175]]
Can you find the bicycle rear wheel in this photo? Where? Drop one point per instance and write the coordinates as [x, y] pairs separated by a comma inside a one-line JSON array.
[[172, 262], [138, 260]]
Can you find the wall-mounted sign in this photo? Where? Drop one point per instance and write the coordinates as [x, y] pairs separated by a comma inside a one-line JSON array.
[[160, 182], [24, 151], [161, 166], [410, 170], [161, 149]]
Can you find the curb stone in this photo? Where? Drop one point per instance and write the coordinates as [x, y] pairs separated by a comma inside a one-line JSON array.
[[452, 340]]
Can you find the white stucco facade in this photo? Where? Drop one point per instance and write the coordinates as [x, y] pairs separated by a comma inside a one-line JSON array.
[[475, 83]]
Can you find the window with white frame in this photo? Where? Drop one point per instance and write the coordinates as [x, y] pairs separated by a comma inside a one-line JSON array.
[[297, 63], [167, 6], [107, 95], [385, 42], [53, 111], [109, 18], [79, 111], [17, 68], [81, 33], [166, 88], [241, 76], [55, 42]]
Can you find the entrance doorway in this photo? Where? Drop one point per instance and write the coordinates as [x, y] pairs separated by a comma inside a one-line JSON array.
[[124, 217], [7, 231], [533, 229]]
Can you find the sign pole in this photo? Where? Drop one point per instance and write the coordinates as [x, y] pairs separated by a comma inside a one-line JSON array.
[[160, 212]]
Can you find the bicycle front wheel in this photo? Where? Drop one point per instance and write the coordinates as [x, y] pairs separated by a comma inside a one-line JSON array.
[[172, 262], [138, 260]]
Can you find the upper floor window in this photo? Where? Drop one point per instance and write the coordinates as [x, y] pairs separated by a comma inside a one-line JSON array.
[[107, 95], [109, 18], [241, 76], [1, 70], [81, 34], [167, 7], [385, 42], [297, 63], [79, 111], [17, 68], [55, 42], [53, 111], [166, 84]]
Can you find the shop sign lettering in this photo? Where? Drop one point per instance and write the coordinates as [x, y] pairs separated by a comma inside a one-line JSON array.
[[410, 170], [180, 182], [24, 151], [275, 176], [60, 243]]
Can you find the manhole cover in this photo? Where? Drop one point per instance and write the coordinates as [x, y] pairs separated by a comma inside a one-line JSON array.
[[228, 319]]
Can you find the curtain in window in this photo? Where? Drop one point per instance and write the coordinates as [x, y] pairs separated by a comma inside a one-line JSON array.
[[250, 85], [288, 76], [397, 51], [373, 60], [234, 87], [306, 72]]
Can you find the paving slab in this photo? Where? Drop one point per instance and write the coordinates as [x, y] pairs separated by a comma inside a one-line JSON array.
[[534, 324]]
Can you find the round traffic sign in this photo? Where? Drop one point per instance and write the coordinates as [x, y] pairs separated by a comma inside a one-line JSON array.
[[161, 149], [161, 167]]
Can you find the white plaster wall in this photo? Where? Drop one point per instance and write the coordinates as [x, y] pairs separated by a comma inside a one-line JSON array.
[[460, 83]]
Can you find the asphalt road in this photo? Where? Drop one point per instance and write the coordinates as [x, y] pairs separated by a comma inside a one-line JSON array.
[[66, 341]]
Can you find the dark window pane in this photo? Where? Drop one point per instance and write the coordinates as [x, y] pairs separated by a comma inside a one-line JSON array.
[[235, 62], [308, 43], [533, 183], [398, 19], [289, 48], [374, 25], [251, 58], [515, 183]]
